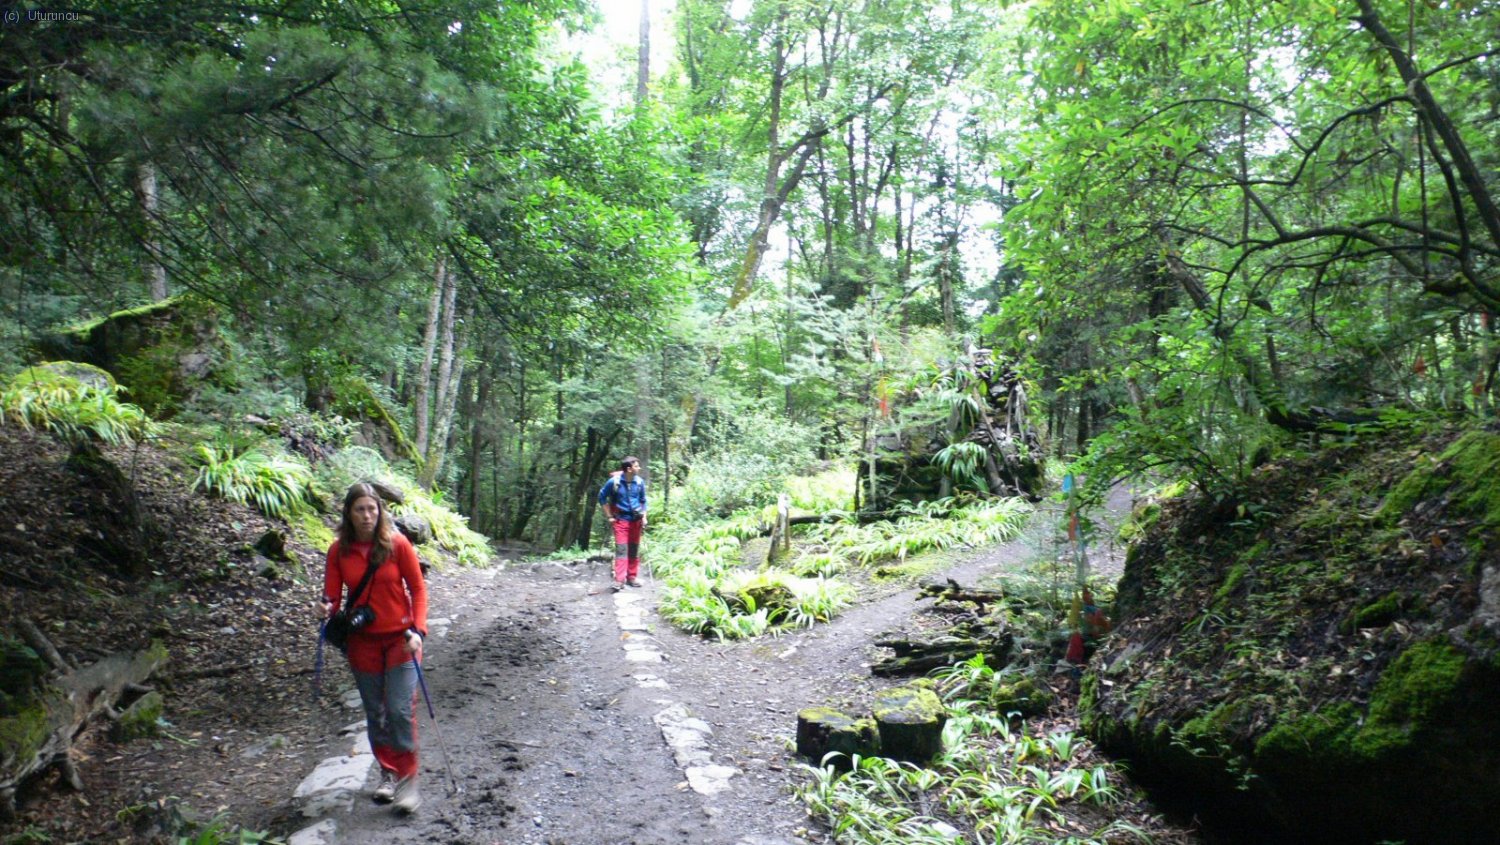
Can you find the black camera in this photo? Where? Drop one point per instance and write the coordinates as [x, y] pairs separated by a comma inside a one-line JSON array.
[[361, 616], [345, 622]]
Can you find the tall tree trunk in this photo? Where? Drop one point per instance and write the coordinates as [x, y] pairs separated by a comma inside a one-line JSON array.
[[149, 196], [423, 382], [642, 430], [478, 441], [445, 382], [643, 56], [526, 500], [947, 270], [590, 503], [450, 376], [574, 529]]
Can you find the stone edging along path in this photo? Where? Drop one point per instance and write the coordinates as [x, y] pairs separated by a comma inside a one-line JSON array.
[[684, 733]]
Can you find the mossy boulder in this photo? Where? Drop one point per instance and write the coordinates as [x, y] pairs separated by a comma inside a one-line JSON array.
[[354, 399], [1023, 696], [66, 374], [161, 353], [22, 673], [141, 719], [1314, 656]]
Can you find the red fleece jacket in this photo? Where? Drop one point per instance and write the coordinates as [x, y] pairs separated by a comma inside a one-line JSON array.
[[396, 593]]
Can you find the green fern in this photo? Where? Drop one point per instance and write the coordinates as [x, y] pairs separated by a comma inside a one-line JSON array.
[[278, 486], [72, 410]]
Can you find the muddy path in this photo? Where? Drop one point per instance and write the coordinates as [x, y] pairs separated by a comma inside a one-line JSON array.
[[575, 716]]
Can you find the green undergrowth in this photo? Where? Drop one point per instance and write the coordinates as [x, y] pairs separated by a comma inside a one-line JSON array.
[[450, 529], [994, 782], [255, 473], [708, 588]]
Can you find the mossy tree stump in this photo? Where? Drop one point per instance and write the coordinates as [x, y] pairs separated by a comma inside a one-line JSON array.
[[822, 731], [910, 720]]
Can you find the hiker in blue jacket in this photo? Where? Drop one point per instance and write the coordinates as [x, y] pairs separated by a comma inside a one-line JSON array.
[[624, 499]]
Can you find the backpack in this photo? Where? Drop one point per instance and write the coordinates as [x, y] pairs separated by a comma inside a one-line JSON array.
[[613, 496]]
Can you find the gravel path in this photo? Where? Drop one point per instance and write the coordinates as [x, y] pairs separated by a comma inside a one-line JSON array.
[[576, 717]]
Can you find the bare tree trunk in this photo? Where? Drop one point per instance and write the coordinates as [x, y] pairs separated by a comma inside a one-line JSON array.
[[947, 270], [642, 432], [429, 344], [450, 374], [149, 197], [446, 350], [666, 470], [478, 441], [643, 55]]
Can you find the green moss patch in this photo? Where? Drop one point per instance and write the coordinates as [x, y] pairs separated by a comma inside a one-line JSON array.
[[1468, 471], [1024, 696]]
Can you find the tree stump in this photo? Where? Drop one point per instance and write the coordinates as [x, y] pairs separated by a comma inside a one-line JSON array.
[[910, 720], [823, 730]]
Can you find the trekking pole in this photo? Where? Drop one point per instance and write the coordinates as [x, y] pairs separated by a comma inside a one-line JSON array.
[[447, 758], [318, 662]]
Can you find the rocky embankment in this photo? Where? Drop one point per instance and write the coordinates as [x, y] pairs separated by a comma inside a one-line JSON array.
[[1316, 657]]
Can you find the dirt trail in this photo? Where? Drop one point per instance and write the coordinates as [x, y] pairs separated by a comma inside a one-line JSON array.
[[553, 714]]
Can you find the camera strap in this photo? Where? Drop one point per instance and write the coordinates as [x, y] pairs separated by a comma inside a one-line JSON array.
[[363, 582]]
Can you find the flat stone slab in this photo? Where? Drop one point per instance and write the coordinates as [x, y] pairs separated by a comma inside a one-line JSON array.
[[686, 735], [323, 833], [710, 780], [328, 803], [346, 772]]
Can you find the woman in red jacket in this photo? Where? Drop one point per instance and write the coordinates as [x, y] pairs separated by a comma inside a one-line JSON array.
[[381, 652]]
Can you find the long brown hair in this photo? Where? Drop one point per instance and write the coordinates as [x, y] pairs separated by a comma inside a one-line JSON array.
[[384, 528]]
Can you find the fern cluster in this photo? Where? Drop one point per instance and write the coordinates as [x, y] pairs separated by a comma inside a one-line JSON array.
[[932, 526], [277, 485], [71, 409]]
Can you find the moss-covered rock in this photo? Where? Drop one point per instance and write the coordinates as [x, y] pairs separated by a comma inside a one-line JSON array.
[[162, 353], [1023, 696], [66, 373], [141, 719], [1377, 614], [22, 734], [1467, 474], [379, 429]]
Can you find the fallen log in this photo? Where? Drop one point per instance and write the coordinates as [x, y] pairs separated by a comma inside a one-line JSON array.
[[914, 657], [953, 591], [40, 734]]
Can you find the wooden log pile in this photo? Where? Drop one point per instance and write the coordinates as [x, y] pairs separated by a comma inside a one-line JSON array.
[[973, 633]]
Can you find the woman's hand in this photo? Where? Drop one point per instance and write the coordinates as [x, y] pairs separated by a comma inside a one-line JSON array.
[[326, 607], [413, 642]]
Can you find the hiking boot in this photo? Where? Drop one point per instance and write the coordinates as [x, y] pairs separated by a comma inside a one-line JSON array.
[[386, 791], [407, 798], [617, 586], [632, 583]]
